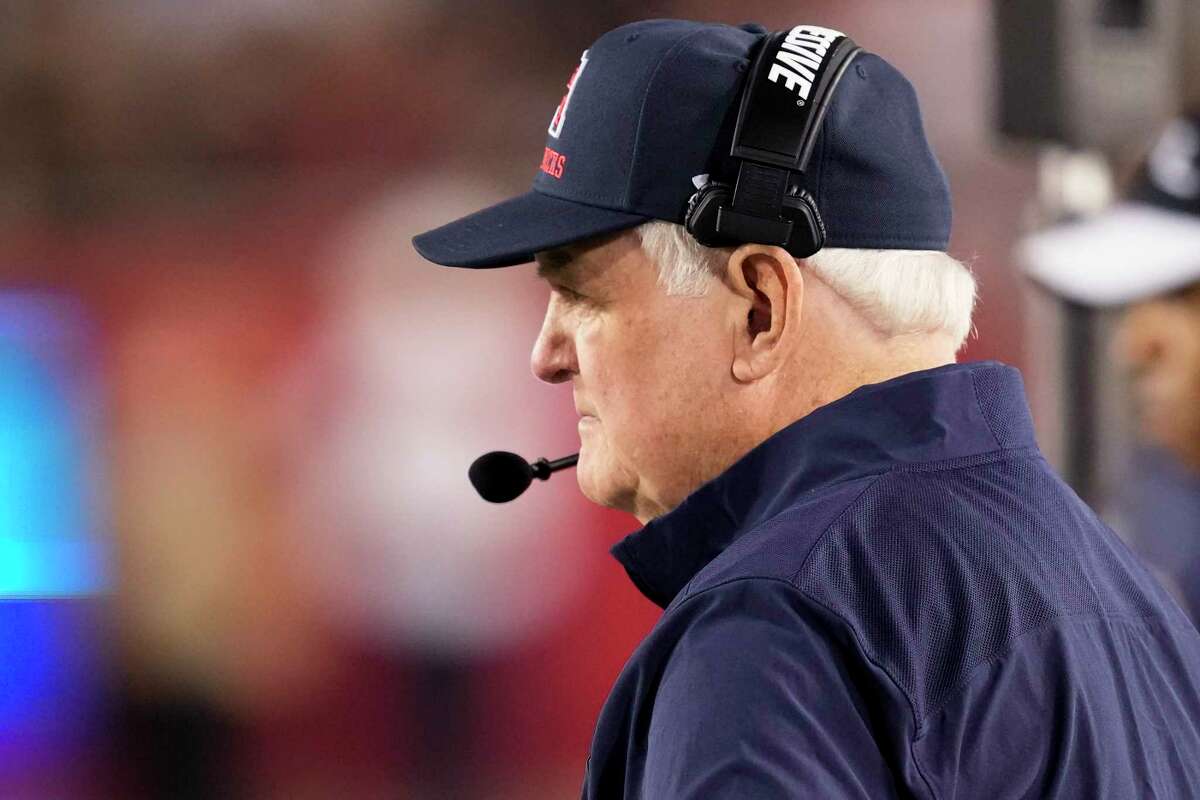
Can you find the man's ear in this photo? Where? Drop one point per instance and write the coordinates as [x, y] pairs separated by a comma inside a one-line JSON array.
[[769, 293]]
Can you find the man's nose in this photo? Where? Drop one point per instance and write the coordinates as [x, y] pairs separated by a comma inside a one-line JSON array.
[[552, 359]]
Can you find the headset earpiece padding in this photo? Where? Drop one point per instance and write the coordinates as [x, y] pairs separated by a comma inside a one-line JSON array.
[[701, 221], [808, 229]]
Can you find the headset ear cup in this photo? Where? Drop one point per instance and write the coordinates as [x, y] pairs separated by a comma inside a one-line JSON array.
[[701, 220], [808, 229]]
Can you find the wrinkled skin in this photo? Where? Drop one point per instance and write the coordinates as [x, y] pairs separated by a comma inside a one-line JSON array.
[[650, 375]]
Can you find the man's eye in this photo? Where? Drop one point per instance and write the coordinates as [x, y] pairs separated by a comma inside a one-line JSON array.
[[570, 294]]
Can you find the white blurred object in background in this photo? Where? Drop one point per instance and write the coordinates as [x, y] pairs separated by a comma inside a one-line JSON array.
[[418, 370]]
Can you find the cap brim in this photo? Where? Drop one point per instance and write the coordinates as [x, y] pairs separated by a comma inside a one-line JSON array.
[[1128, 253], [511, 232]]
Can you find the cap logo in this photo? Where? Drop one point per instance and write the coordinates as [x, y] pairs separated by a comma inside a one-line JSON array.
[[800, 57], [560, 113], [1174, 164], [553, 163]]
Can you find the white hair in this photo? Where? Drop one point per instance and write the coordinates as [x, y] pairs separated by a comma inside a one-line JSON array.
[[897, 291]]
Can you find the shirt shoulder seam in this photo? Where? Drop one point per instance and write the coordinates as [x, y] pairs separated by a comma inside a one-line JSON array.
[[983, 414], [1019, 641], [866, 654], [966, 462], [869, 480], [840, 515], [841, 621]]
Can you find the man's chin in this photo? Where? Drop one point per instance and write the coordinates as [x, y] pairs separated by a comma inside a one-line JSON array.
[[599, 486]]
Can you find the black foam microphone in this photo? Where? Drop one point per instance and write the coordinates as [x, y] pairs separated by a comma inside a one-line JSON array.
[[499, 476]]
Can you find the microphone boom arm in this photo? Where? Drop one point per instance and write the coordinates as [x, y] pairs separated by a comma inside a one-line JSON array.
[[543, 469]]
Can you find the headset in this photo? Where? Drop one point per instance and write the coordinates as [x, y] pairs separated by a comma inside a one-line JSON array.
[[780, 112]]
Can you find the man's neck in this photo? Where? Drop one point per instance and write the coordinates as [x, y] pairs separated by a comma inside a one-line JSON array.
[[798, 398], [844, 374]]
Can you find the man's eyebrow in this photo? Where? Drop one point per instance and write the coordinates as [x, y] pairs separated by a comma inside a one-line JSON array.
[[552, 262]]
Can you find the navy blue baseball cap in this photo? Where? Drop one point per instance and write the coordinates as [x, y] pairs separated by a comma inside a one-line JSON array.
[[1145, 245], [650, 107]]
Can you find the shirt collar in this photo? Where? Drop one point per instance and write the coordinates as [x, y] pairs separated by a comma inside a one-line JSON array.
[[947, 412]]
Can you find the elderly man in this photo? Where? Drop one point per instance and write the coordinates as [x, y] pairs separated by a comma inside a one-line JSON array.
[[874, 586], [1143, 256]]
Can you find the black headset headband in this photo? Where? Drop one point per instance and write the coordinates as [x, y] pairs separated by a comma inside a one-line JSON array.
[[787, 94], [783, 104]]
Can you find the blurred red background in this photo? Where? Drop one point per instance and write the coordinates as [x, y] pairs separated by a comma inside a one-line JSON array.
[[301, 595]]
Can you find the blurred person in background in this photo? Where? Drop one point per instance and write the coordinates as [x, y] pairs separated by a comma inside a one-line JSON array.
[[1144, 255], [873, 583]]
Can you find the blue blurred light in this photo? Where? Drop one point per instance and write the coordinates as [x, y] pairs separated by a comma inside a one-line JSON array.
[[30, 663], [47, 547], [51, 683], [50, 554]]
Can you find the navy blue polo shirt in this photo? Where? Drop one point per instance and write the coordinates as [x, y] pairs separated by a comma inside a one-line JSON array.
[[896, 596]]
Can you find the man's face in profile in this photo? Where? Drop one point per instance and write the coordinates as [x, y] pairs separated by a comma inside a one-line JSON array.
[[650, 372], [1159, 343]]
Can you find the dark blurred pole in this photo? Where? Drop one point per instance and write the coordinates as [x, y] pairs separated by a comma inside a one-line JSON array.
[[176, 747], [1084, 81], [443, 711], [1190, 55], [42, 100], [1079, 402]]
